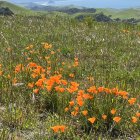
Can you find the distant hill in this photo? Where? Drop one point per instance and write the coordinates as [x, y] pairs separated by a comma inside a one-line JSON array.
[[17, 9], [116, 13], [68, 9], [122, 13]]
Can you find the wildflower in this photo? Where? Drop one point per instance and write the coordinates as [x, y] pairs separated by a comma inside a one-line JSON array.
[[71, 75], [74, 84], [138, 114], [80, 101], [92, 90], [39, 83], [36, 91], [63, 63], [80, 92], [134, 119], [132, 101], [34, 75], [31, 64], [55, 128], [74, 113], [71, 103], [76, 64], [52, 52], [113, 111], [59, 89], [48, 88], [62, 128], [14, 81], [87, 96], [66, 109], [104, 116], [47, 46], [76, 59], [64, 82], [107, 90], [116, 119], [18, 68], [123, 93], [100, 89], [92, 120], [85, 112], [76, 108]]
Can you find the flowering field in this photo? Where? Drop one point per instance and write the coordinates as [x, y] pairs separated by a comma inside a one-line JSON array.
[[64, 79]]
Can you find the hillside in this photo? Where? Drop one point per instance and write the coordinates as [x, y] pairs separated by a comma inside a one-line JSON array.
[[17, 9], [122, 13], [116, 13]]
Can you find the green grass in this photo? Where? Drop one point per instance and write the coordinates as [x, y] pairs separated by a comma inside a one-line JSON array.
[[108, 52]]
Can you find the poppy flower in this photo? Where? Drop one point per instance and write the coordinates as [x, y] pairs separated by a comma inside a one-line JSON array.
[[116, 119], [113, 111], [71, 75], [74, 113], [134, 119], [66, 109], [36, 91], [62, 128], [104, 116], [85, 112], [138, 114], [92, 120], [132, 101], [55, 128], [71, 103], [30, 85]]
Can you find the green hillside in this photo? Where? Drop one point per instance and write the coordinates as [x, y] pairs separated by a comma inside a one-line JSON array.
[[17, 9], [123, 13]]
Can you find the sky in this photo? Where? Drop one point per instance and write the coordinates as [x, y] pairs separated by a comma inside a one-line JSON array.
[[87, 3]]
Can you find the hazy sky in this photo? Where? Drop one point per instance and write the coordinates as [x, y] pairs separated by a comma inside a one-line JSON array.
[[88, 3]]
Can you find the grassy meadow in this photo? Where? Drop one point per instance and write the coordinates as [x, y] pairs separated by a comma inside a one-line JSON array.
[[68, 80]]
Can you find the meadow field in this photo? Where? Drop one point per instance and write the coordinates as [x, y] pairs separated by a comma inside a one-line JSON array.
[[61, 79]]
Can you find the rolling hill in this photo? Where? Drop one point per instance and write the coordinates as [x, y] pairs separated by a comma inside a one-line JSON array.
[[37, 9], [17, 9]]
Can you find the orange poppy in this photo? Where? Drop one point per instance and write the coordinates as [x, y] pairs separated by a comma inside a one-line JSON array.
[[113, 111], [76, 108], [92, 90], [62, 128], [134, 119], [64, 82], [138, 114], [92, 120], [132, 101], [100, 89], [36, 91], [74, 113], [85, 112], [55, 128], [66, 109], [71, 75], [104, 116], [116, 119], [30, 85], [71, 103]]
